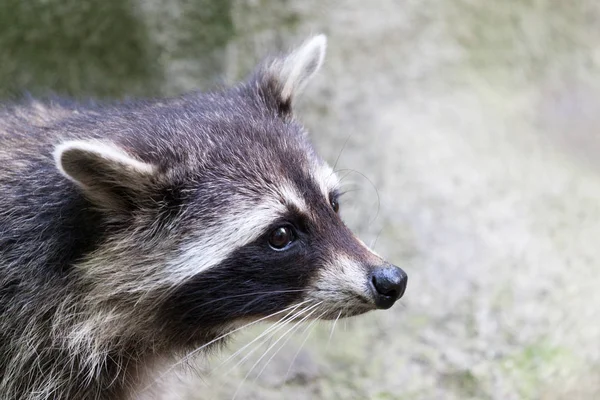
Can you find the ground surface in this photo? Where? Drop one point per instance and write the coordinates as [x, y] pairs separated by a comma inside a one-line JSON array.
[[476, 122]]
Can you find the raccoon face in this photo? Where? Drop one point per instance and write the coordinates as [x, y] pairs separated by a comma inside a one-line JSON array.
[[239, 217]]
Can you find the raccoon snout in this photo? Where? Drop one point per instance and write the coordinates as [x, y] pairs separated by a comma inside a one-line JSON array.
[[388, 284]]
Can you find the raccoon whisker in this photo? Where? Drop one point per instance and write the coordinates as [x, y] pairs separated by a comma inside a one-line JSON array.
[[333, 327], [280, 325], [349, 293], [293, 332], [241, 309], [265, 294], [191, 354], [374, 187], [344, 176], [308, 332], [276, 326], [265, 341], [313, 308], [341, 151], [289, 336], [348, 184], [376, 238], [196, 351], [248, 294], [271, 332], [346, 191]]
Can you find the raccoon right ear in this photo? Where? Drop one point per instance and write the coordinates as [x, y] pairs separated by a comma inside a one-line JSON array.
[[284, 78], [108, 176]]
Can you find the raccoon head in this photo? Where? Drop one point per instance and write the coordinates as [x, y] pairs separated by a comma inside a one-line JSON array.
[[231, 215]]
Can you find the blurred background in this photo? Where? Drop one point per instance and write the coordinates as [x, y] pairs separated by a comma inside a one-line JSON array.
[[466, 134]]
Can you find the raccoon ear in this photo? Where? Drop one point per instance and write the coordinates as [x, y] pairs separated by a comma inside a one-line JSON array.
[[108, 176], [284, 78]]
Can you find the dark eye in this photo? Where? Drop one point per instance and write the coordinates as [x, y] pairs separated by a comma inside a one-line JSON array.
[[281, 238], [335, 205]]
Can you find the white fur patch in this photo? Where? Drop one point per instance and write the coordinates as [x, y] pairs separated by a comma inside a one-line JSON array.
[[215, 243], [295, 70], [76, 150], [339, 277], [326, 179], [290, 196]]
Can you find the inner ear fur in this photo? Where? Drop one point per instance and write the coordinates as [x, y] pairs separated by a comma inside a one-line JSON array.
[[284, 78], [108, 176]]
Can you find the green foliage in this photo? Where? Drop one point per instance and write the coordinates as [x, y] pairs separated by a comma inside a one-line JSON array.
[[93, 47], [109, 48]]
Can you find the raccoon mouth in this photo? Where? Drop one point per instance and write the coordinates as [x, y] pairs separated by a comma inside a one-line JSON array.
[[346, 312], [348, 309], [311, 310]]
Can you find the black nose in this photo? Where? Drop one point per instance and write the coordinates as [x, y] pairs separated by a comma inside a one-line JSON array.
[[388, 284]]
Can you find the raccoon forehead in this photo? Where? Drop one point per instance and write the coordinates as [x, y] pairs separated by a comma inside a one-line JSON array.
[[326, 178], [291, 198]]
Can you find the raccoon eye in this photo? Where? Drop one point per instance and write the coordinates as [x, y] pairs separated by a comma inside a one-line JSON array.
[[281, 238], [335, 205]]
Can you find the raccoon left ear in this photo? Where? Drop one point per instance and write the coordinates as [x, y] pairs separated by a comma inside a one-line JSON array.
[[284, 78], [107, 175]]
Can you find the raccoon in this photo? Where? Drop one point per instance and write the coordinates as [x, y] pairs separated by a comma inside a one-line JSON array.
[[136, 231]]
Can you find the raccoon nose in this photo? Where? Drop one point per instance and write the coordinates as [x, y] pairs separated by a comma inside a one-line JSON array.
[[388, 284]]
